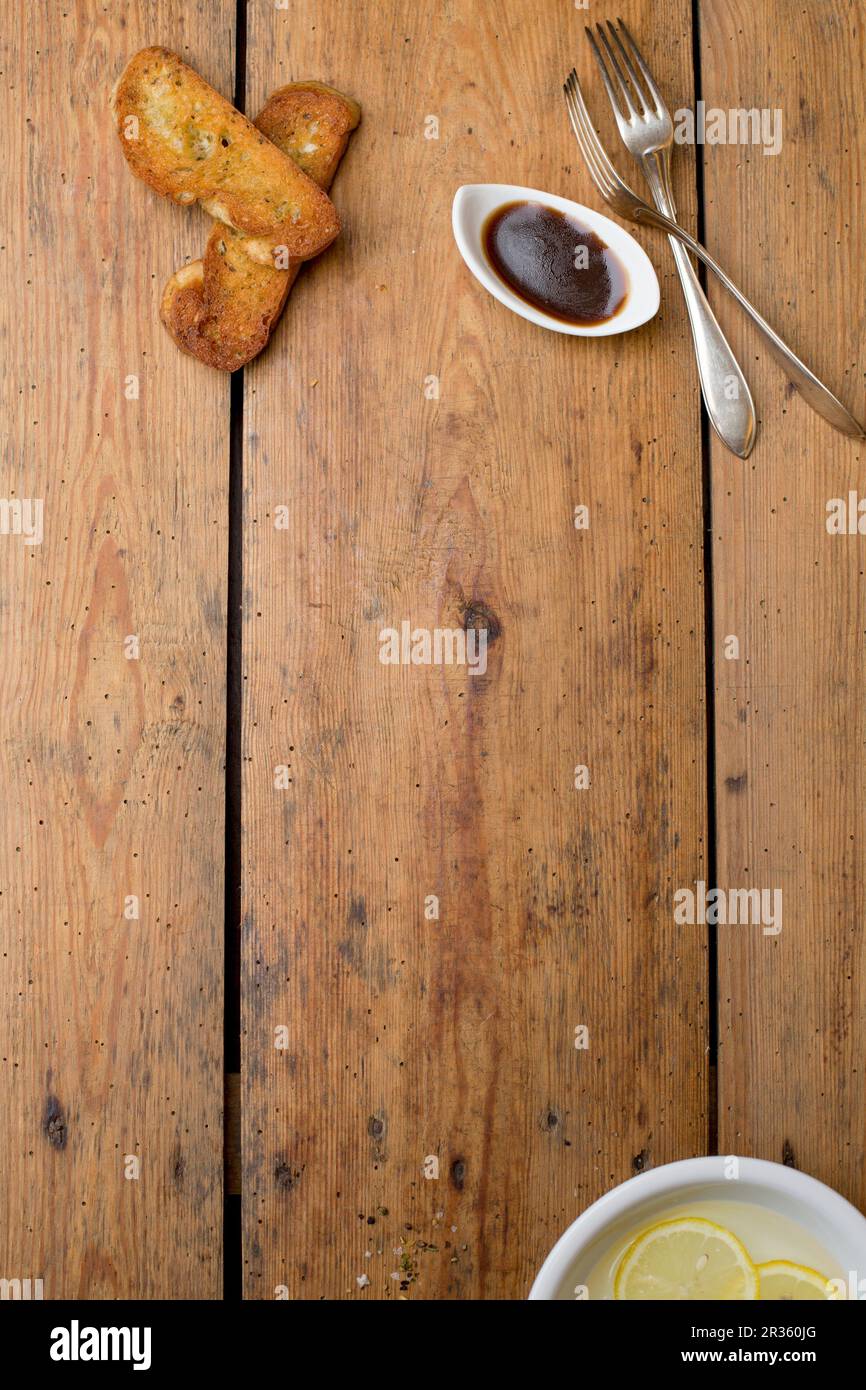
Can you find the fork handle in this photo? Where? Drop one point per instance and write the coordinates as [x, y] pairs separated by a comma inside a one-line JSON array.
[[726, 393], [813, 391]]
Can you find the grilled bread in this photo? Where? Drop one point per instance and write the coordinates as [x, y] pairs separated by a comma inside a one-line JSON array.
[[191, 145], [223, 308]]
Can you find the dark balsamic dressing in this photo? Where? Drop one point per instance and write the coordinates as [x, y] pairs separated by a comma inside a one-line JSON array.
[[555, 264]]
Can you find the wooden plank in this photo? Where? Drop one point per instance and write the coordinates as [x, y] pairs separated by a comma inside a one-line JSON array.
[[112, 767], [789, 711], [408, 1038]]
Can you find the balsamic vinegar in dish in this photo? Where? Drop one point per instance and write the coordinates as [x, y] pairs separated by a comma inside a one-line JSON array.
[[555, 264]]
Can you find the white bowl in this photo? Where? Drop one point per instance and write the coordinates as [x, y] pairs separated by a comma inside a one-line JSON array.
[[820, 1211], [473, 204]]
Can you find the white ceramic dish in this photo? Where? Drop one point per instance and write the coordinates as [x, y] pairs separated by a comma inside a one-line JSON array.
[[820, 1211], [473, 204]]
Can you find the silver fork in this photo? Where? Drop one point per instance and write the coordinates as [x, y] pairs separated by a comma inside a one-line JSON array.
[[627, 203], [624, 201], [648, 135]]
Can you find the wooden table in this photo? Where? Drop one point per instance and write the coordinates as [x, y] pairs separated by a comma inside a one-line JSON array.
[[432, 951]]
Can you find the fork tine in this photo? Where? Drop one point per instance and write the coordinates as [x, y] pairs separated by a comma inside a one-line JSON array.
[[589, 155], [590, 134], [661, 109], [594, 169], [602, 67], [612, 188], [635, 80]]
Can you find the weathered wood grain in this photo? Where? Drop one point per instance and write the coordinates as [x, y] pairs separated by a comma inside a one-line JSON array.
[[112, 768], [789, 712], [455, 1038]]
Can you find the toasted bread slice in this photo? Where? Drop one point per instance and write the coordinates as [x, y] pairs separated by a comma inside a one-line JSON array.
[[223, 308], [190, 144]]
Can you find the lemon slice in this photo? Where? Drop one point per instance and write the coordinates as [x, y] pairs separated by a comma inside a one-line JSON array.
[[686, 1259], [780, 1279]]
